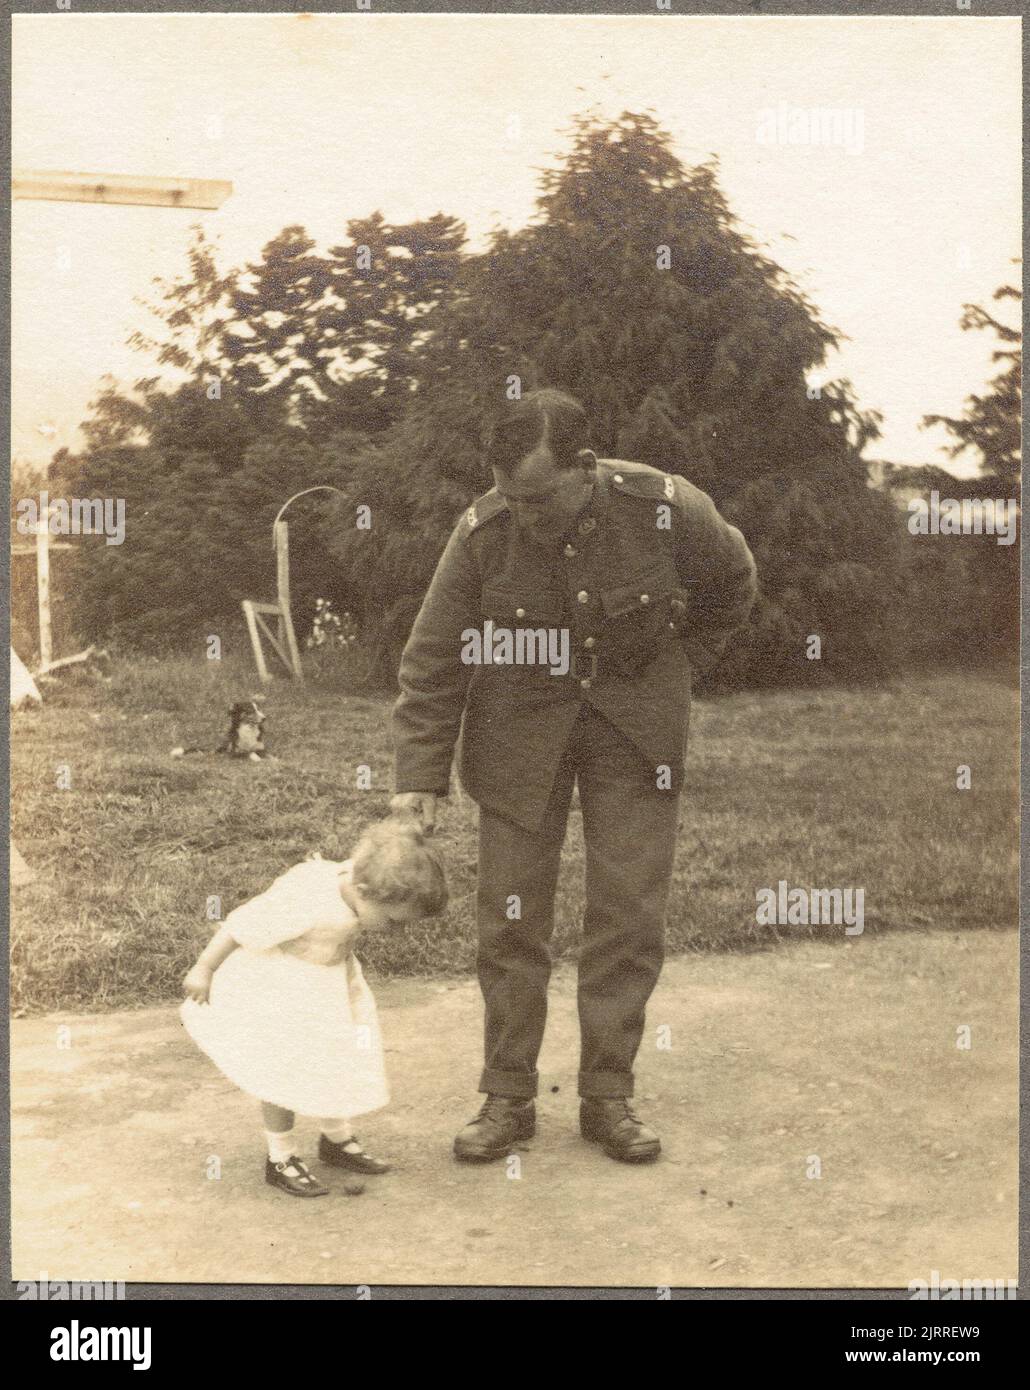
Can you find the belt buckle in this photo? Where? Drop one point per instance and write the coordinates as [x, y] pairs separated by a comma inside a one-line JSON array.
[[577, 671]]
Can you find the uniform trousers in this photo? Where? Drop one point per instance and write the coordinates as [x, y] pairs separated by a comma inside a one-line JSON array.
[[630, 824]]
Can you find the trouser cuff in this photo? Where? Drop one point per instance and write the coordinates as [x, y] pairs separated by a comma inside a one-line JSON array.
[[513, 1085], [605, 1085]]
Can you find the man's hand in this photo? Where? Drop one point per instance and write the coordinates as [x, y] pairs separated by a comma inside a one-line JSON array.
[[197, 983], [419, 804]]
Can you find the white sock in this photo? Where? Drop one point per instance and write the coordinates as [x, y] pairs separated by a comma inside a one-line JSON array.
[[338, 1131], [280, 1146]]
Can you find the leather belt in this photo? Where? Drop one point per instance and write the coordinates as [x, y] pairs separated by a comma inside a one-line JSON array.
[[597, 665]]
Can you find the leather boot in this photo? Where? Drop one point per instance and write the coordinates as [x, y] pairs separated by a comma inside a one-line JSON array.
[[622, 1135], [500, 1122]]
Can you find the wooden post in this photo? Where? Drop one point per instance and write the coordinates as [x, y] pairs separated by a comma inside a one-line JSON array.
[[46, 641], [41, 547], [282, 564], [282, 579], [67, 186]]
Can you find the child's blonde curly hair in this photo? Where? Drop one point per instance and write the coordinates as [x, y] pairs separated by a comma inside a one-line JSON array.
[[394, 864]]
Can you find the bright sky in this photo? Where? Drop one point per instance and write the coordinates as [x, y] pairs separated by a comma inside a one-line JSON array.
[[319, 118]]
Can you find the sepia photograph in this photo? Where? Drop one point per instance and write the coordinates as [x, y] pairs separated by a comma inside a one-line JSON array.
[[514, 591]]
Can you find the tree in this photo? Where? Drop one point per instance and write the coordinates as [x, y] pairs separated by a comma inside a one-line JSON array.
[[986, 602], [635, 290], [379, 365], [992, 422], [198, 539], [335, 338], [274, 378]]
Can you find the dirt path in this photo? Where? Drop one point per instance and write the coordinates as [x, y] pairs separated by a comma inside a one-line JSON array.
[[842, 1051]]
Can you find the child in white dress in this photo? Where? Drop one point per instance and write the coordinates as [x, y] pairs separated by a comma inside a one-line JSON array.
[[279, 1003]]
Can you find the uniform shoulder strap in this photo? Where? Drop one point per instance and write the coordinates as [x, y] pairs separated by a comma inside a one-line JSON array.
[[482, 510], [641, 480]]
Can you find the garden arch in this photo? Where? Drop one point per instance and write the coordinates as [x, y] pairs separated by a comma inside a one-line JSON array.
[[284, 641]]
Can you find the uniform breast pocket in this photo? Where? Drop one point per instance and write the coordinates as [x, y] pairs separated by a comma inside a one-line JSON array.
[[639, 598], [523, 634], [522, 607], [638, 614]]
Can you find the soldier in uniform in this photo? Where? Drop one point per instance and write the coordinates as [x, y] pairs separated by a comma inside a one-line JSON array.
[[646, 578]]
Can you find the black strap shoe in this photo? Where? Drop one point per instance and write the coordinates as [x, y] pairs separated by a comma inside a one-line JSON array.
[[492, 1134], [350, 1155], [293, 1177], [622, 1135]]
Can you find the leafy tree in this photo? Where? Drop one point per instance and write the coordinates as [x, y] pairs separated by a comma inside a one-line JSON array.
[[378, 365], [198, 539], [985, 618], [370, 334], [635, 290], [992, 422], [335, 338], [283, 374]]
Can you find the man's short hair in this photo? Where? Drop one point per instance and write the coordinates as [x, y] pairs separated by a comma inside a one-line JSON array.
[[548, 417]]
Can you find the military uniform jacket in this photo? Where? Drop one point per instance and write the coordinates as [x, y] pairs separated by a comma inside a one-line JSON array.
[[648, 581]]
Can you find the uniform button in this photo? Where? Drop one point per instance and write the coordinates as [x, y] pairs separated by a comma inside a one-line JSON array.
[[617, 478], [520, 612], [590, 642], [570, 550], [585, 683], [582, 596], [645, 598]]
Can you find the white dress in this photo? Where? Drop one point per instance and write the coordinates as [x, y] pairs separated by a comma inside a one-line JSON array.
[[290, 1019]]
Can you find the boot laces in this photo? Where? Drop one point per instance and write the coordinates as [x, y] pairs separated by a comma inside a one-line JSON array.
[[628, 1113], [495, 1108]]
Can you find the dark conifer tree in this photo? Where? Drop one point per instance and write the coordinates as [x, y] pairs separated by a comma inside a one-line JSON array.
[[635, 290]]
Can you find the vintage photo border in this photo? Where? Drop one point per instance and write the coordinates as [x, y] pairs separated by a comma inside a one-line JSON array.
[[756, 10]]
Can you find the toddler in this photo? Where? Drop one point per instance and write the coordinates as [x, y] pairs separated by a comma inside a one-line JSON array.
[[279, 1003]]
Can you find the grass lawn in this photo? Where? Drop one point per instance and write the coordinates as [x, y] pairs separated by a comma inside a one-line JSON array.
[[844, 788]]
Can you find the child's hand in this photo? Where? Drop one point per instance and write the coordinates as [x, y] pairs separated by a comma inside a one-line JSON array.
[[197, 983]]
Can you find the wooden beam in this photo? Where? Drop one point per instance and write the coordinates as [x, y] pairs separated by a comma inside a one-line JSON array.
[[255, 639], [66, 661], [280, 652], [284, 644], [67, 187]]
